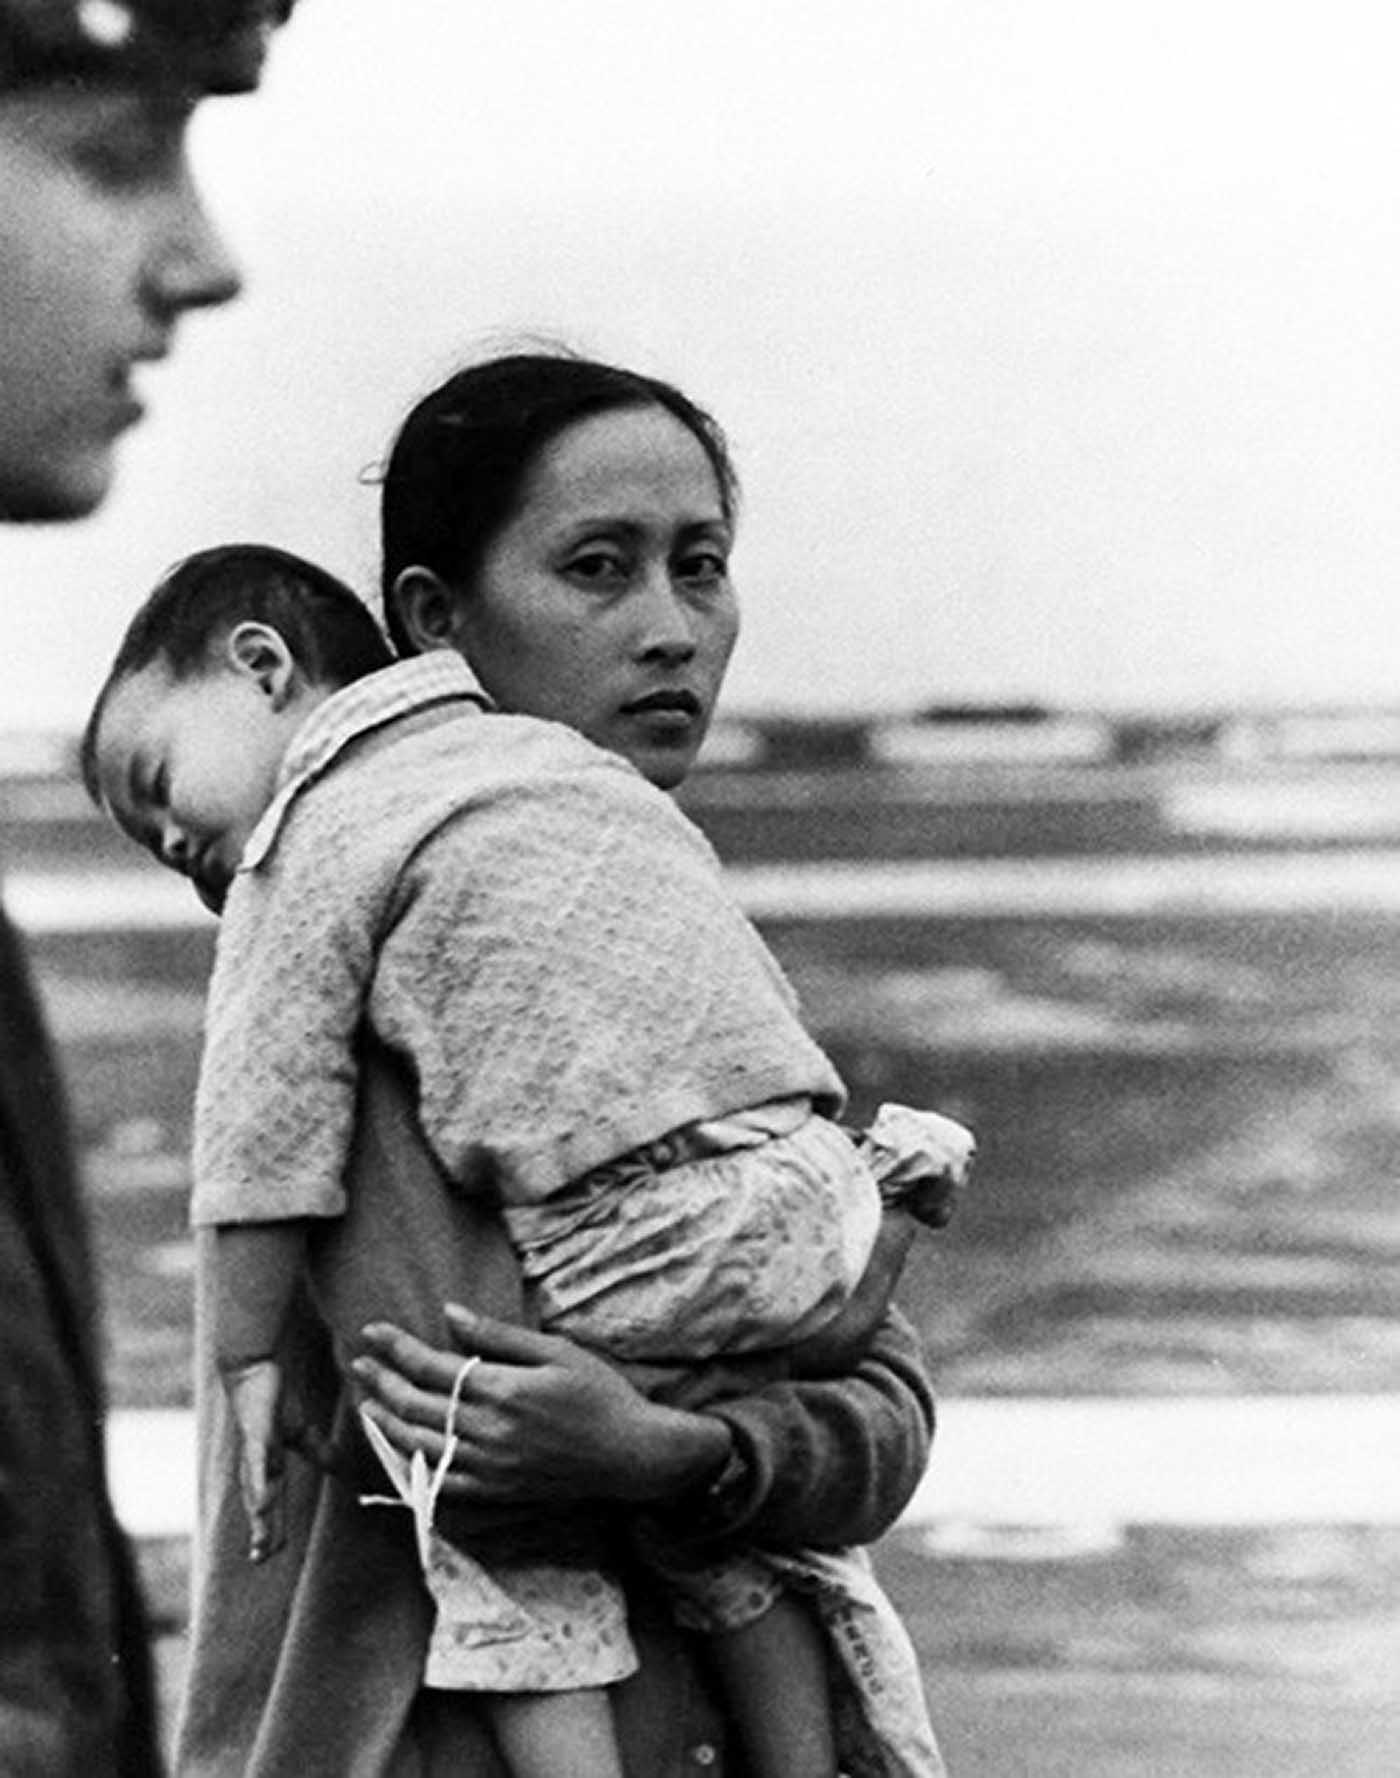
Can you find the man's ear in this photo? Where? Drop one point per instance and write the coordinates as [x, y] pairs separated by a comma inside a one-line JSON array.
[[261, 652], [425, 610]]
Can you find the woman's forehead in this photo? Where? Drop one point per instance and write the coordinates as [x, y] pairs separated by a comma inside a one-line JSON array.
[[627, 456]]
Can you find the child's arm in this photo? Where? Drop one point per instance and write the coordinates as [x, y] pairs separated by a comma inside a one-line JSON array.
[[921, 1162], [256, 1269]]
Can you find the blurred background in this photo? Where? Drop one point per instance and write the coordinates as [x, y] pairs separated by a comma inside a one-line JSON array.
[[1060, 761], [1056, 337]]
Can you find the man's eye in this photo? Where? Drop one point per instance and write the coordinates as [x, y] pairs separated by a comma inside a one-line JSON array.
[[125, 158]]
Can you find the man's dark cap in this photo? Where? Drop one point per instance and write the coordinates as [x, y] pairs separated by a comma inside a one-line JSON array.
[[200, 46]]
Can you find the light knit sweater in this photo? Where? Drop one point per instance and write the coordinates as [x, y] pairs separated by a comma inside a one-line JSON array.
[[539, 931]]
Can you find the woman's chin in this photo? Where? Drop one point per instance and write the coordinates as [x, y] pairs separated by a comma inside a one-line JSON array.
[[662, 749], [664, 760]]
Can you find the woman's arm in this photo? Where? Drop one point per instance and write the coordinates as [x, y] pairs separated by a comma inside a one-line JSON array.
[[545, 1423], [541, 1421], [825, 1461]]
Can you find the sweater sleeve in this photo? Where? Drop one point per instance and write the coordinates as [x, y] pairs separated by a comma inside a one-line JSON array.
[[823, 1462], [276, 1097]]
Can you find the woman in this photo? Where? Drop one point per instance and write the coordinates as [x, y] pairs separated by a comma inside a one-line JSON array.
[[587, 618]]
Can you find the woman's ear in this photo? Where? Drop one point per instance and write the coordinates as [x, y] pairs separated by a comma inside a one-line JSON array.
[[261, 652], [425, 611]]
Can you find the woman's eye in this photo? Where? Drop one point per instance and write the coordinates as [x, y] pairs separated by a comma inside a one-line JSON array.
[[704, 565], [597, 565]]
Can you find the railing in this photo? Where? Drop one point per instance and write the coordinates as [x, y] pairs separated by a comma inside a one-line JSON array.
[[1029, 734]]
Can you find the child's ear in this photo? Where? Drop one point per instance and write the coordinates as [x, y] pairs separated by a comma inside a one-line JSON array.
[[261, 652], [425, 608]]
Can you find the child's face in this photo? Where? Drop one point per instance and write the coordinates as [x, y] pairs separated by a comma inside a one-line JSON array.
[[188, 766]]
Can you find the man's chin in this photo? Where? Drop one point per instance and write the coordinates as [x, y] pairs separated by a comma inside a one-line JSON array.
[[53, 499]]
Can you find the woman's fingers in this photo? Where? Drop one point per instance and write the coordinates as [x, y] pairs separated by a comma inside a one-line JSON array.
[[411, 1359], [503, 1342], [538, 1418], [385, 1386], [413, 1381], [404, 1436], [468, 1480]]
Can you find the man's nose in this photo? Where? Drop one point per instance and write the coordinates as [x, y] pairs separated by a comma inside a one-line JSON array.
[[190, 267]]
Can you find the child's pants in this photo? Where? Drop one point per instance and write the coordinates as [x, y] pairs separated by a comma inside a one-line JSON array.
[[749, 1246], [749, 1249], [530, 1626]]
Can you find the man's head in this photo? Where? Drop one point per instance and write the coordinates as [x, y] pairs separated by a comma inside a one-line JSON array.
[[103, 241], [216, 672]]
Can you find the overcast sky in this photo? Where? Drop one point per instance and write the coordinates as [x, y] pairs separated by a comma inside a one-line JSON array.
[[1058, 340]]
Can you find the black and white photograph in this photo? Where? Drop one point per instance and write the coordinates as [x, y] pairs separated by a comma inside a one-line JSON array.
[[785, 602]]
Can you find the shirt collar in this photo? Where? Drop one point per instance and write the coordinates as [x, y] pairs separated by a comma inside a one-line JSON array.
[[439, 677]]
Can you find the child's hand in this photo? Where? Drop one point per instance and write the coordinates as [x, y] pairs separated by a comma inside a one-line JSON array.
[[921, 1160], [255, 1394]]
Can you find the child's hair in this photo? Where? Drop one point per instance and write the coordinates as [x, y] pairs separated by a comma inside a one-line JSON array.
[[330, 631], [457, 468]]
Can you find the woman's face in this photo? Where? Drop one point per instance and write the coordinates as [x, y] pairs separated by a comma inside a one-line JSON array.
[[605, 603]]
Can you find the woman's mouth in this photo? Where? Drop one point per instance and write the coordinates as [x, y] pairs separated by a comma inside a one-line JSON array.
[[667, 706]]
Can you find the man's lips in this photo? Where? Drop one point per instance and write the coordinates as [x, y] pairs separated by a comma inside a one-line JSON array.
[[149, 351], [123, 408], [121, 377]]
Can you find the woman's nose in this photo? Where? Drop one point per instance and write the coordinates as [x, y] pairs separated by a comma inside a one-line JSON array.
[[667, 630]]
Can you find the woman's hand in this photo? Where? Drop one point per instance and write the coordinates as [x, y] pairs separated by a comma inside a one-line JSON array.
[[540, 1420]]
